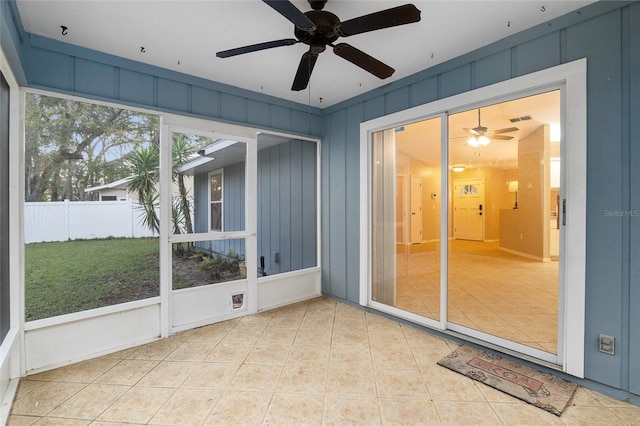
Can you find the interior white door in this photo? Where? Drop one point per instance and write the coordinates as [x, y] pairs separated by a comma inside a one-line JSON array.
[[416, 209], [468, 209]]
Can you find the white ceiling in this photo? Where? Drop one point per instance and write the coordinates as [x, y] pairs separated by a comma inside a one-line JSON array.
[[185, 35]]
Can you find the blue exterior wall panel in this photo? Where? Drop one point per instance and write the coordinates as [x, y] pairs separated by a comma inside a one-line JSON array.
[[455, 81], [64, 68], [56, 70], [287, 207], [538, 54], [135, 87], [633, 159], [88, 71], [492, 69], [205, 102], [173, 95], [604, 178]]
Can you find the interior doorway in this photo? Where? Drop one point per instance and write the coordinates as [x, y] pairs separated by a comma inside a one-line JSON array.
[[468, 204]]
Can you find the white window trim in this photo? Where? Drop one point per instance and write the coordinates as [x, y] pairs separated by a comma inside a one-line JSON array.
[[209, 202], [572, 78]]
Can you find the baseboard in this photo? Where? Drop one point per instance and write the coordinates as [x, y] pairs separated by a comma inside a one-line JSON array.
[[527, 255]]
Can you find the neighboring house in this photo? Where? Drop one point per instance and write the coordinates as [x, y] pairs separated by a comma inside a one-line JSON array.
[[604, 35], [119, 190], [114, 191]]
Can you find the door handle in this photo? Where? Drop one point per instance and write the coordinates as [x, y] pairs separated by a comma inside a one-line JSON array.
[[480, 209]]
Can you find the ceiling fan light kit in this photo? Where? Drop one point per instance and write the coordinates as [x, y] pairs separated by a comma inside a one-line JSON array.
[[478, 140], [318, 29], [481, 136]]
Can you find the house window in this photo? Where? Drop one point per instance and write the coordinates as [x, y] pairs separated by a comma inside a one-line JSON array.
[[108, 198], [215, 200]]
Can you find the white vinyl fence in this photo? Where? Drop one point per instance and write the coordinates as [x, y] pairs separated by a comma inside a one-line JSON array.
[[74, 220]]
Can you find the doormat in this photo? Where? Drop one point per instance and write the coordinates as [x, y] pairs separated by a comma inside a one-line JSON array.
[[543, 390]]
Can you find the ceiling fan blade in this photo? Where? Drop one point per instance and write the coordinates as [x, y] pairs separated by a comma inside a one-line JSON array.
[[472, 131], [292, 13], [507, 130], [256, 47], [305, 68], [364, 61], [501, 137], [400, 15]]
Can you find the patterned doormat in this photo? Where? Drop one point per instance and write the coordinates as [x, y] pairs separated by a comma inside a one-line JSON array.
[[543, 390]]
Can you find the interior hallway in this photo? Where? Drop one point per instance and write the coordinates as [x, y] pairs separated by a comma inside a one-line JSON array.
[[315, 362]]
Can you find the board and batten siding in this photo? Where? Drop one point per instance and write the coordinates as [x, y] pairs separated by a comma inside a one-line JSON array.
[[64, 68], [286, 206], [608, 35]]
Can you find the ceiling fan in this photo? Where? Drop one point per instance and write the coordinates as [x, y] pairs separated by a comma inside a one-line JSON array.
[[481, 135], [319, 29]]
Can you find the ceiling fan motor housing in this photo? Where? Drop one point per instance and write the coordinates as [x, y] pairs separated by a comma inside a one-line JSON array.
[[325, 33]]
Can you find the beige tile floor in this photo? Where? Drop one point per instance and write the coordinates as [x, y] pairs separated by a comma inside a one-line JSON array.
[[490, 290], [318, 362]]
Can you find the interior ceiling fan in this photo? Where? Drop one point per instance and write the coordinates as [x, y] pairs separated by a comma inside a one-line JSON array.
[[481, 135], [318, 29]]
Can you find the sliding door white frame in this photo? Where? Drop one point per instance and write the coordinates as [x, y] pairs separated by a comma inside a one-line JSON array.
[[571, 79]]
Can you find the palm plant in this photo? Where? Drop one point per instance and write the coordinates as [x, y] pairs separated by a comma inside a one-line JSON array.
[[145, 170], [181, 153], [144, 166]]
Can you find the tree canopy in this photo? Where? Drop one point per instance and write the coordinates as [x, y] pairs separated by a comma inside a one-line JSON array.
[[72, 145]]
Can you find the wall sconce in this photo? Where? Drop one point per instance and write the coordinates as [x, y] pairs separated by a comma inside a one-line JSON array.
[[457, 169], [513, 187]]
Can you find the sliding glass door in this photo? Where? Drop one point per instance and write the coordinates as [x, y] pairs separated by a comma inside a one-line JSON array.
[[406, 217], [465, 226]]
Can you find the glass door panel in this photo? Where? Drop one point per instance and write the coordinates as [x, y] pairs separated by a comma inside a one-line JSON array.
[[503, 257], [406, 218]]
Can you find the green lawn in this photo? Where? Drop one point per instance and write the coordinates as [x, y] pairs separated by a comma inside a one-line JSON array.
[[72, 276]]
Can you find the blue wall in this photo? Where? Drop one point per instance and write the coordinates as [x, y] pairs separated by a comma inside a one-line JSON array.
[[287, 176], [52, 65], [606, 33], [287, 209], [233, 209]]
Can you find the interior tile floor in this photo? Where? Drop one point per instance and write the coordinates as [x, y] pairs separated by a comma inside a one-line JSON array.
[[318, 362], [490, 290]]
